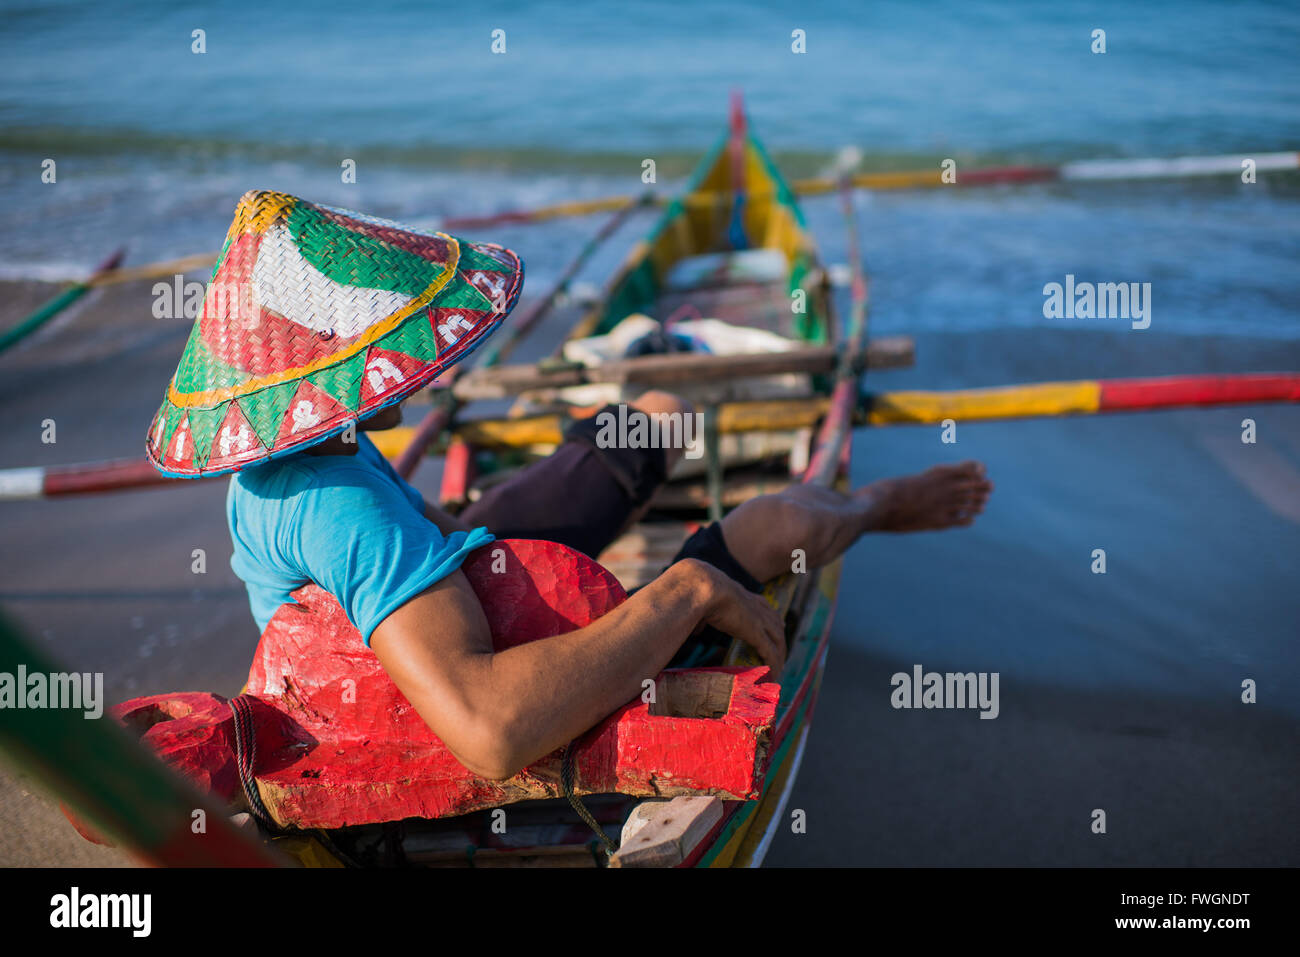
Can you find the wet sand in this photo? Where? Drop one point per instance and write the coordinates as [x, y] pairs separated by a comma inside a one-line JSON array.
[[1118, 692]]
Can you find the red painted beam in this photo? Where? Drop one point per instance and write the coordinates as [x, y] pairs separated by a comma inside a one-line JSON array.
[[1007, 174], [101, 477], [1194, 390]]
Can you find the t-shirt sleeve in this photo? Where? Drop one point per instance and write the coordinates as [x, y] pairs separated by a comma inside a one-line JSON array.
[[360, 539]]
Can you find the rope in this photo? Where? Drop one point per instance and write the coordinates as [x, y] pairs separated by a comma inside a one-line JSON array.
[[566, 780], [246, 757]]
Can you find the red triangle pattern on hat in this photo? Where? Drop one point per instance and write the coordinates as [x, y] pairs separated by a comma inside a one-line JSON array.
[[385, 370], [309, 407], [159, 428], [236, 441], [179, 453], [492, 284], [450, 324]]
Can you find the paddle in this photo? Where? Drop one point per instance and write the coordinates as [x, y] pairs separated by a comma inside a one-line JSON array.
[[60, 302]]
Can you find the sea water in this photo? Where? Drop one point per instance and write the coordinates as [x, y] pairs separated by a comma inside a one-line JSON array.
[[154, 142]]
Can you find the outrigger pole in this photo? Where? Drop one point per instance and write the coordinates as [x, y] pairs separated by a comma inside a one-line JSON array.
[[1083, 170], [1181, 167], [1029, 400], [60, 302], [1079, 397]]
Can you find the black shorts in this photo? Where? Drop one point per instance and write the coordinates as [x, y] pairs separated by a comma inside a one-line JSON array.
[[584, 496], [581, 495]]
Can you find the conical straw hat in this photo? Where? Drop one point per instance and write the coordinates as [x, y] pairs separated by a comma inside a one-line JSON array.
[[315, 318]]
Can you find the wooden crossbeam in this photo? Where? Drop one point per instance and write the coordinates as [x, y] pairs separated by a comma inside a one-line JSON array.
[[674, 369], [762, 415]]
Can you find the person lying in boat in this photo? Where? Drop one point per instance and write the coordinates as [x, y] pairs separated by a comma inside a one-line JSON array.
[[333, 347]]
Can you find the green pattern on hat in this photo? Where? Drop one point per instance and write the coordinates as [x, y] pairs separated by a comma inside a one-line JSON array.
[[342, 382], [200, 369], [265, 410], [466, 296], [171, 422], [203, 428], [471, 259], [412, 339], [353, 260]]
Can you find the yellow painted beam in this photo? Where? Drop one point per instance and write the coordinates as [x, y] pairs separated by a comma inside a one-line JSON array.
[[391, 442], [1006, 402], [886, 408]]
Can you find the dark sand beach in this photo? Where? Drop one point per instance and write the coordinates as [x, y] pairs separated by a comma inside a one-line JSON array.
[[1119, 692]]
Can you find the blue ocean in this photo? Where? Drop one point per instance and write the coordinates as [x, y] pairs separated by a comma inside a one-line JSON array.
[[155, 142]]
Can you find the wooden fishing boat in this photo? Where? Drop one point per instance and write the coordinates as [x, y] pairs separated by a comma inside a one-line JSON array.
[[698, 773], [737, 207]]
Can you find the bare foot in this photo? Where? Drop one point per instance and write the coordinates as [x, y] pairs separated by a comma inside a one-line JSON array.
[[943, 496]]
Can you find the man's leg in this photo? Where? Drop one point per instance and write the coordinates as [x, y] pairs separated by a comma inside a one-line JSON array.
[[762, 533], [755, 542], [582, 495]]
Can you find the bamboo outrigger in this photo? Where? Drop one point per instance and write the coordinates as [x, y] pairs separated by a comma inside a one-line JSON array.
[[701, 775]]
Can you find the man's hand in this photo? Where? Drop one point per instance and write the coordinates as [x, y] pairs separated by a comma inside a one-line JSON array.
[[741, 614]]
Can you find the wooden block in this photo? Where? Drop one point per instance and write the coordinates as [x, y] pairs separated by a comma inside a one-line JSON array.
[[663, 833]]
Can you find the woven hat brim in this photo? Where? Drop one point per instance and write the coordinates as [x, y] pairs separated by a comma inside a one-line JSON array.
[[241, 432]]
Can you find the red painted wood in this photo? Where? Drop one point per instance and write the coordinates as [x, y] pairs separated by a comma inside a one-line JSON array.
[[1007, 174], [1195, 390], [102, 477], [457, 472], [338, 744]]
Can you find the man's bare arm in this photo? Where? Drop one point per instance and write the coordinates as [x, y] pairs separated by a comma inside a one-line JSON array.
[[498, 712]]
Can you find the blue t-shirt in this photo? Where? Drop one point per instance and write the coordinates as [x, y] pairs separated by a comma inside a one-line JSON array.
[[349, 523]]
